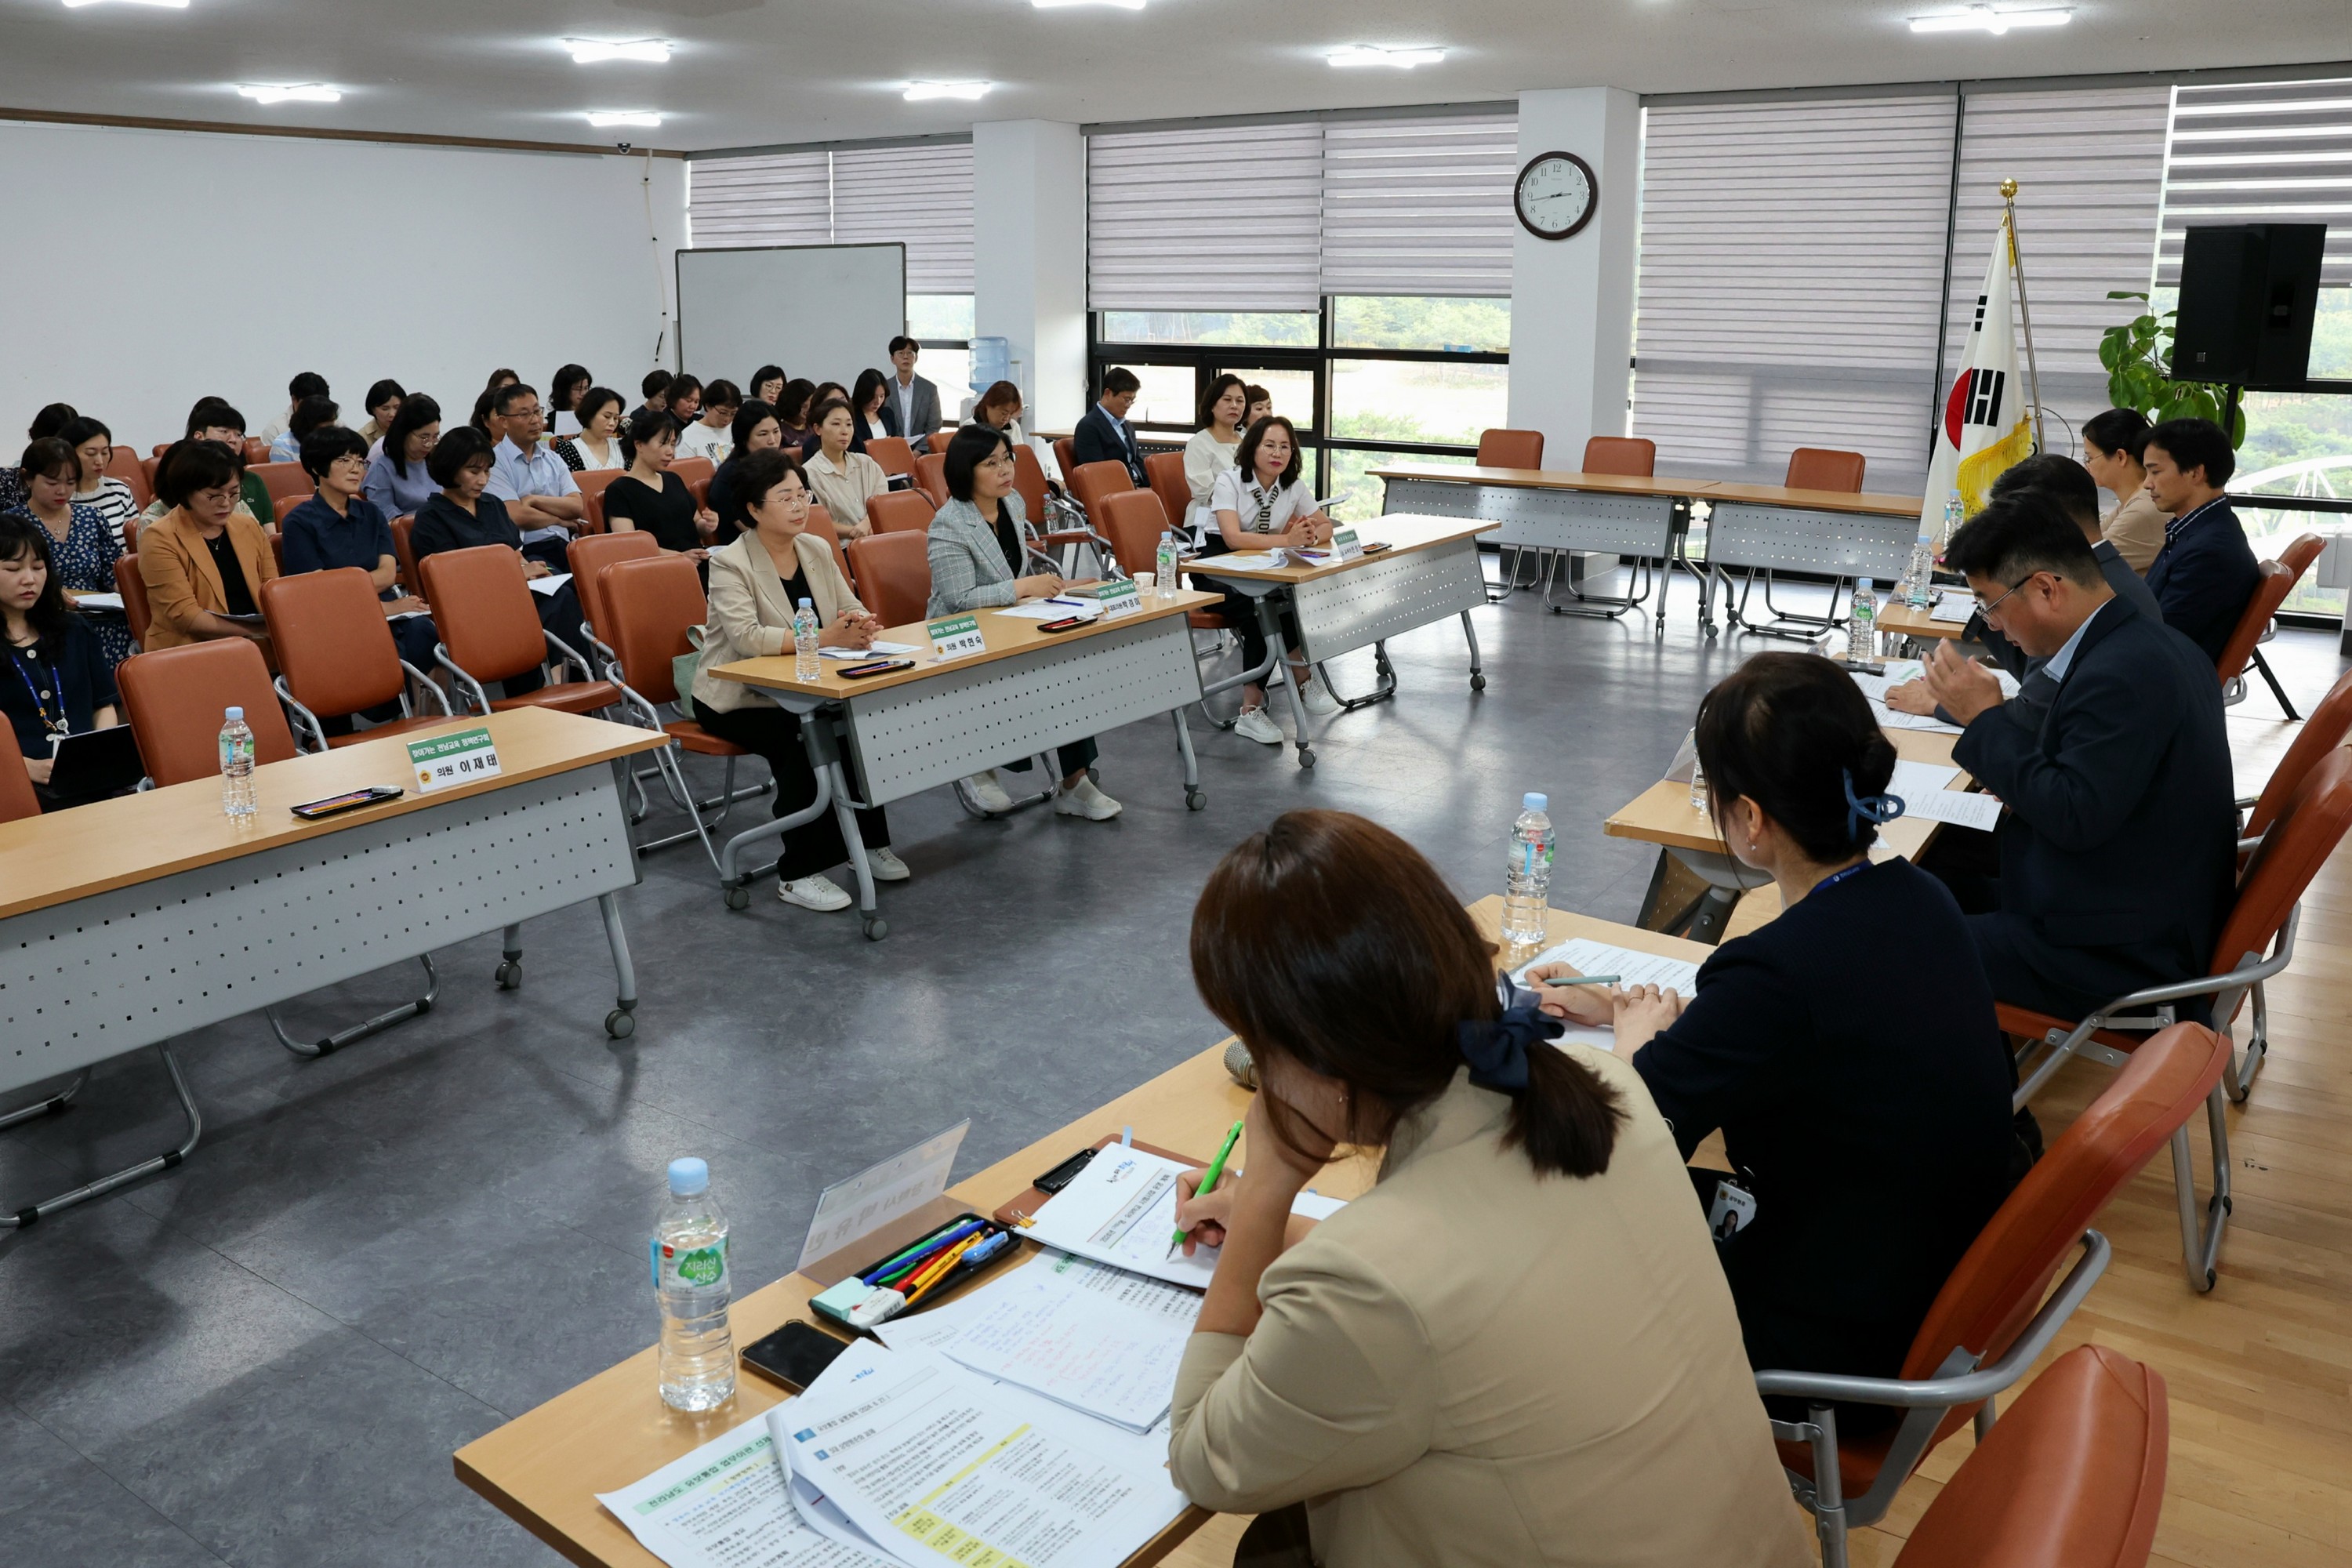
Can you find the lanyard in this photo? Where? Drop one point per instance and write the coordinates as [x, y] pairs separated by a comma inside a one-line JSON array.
[[1265, 524], [58, 725], [1834, 877]]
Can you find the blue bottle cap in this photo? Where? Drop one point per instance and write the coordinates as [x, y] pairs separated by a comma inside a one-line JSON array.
[[689, 1177], [1531, 801], [1867, 584], [235, 713], [805, 605]]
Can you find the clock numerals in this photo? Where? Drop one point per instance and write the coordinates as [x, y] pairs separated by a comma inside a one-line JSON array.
[[1556, 195]]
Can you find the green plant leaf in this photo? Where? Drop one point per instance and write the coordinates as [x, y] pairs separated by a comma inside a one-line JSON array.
[[2123, 294]]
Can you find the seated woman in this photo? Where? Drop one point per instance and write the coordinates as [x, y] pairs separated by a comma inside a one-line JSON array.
[[565, 389], [597, 445], [866, 408], [339, 526], [793, 414], [1515, 1348], [310, 414], [842, 481], [82, 549], [766, 386], [1847, 1109], [1261, 404], [708, 435], [755, 430], [382, 402], [756, 583], [2113, 443], [998, 409], [51, 421], [397, 482], [650, 499], [461, 517], [59, 681], [93, 445], [1210, 452], [1257, 504], [979, 559], [204, 561]]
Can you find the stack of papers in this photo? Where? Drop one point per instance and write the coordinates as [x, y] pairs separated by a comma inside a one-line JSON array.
[[1121, 1210], [1954, 609], [872, 650], [1633, 968], [551, 585], [1897, 672], [728, 1504], [1240, 560], [1052, 610], [1927, 793], [98, 601]]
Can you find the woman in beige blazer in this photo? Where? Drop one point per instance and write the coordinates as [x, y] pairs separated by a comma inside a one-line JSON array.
[[1517, 1348], [2112, 444], [204, 561], [756, 583], [842, 481]]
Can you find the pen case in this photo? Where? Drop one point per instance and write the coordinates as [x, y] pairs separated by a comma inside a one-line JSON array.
[[840, 1300]]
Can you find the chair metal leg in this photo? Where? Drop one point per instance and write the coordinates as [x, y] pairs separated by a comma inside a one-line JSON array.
[[360, 1031], [49, 1107], [622, 1021], [129, 1174], [1986, 1416], [2240, 1080], [2200, 1232], [1828, 1501], [2264, 666]]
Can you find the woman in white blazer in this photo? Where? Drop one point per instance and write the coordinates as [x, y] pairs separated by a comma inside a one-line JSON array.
[[1210, 452], [756, 583]]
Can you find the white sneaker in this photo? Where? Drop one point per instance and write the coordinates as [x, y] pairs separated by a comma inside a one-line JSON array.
[[813, 893], [1086, 801], [887, 867], [1256, 725], [990, 795], [1317, 698]]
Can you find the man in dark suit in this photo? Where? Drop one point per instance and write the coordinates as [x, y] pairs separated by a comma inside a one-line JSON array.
[[910, 405], [2206, 570], [1103, 437], [2119, 849]]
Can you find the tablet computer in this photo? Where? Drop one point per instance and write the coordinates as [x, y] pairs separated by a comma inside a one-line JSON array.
[[95, 764]]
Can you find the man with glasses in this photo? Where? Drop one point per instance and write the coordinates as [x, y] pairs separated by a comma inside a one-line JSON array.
[[542, 498], [2117, 851]]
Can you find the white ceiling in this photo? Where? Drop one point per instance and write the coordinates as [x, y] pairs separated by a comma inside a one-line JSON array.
[[748, 72]]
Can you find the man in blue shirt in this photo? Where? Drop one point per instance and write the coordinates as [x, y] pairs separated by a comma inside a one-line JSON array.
[[1103, 436], [2206, 571], [542, 497], [339, 526]]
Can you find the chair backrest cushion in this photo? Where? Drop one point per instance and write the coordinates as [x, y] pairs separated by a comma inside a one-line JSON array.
[[1825, 468], [899, 512], [1165, 470], [589, 554], [289, 484], [333, 646], [931, 476], [403, 550], [2272, 585], [175, 699], [133, 589], [1029, 481], [652, 602], [1510, 449], [2326, 729], [483, 611], [821, 523], [17, 797], [1094, 481], [2296, 844], [893, 453], [1133, 521], [1636, 456], [894, 575]]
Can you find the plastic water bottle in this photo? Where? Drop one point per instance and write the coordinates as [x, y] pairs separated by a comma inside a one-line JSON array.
[[1953, 516], [1699, 798], [804, 635], [236, 766], [1163, 575], [1526, 884], [689, 1264], [1919, 582], [1861, 624]]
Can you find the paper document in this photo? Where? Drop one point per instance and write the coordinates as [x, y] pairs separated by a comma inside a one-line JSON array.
[[98, 601], [1912, 780], [1590, 957], [882, 1192], [1121, 1210], [552, 583], [872, 650], [918, 1452], [1097, 1339], [1954, 609], [1899, 671], [1961, 808], [538, 535], [726, 1505], [1240, 560], [1049, 610]]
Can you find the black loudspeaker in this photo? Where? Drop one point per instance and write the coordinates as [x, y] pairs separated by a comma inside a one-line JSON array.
[[2248, 292]]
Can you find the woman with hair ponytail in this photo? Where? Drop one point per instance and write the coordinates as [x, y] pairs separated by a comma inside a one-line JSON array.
[[1515, 1348], [1847, 1050]]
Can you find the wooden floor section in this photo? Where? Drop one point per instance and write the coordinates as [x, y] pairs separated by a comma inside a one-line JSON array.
[[2260, 1371]]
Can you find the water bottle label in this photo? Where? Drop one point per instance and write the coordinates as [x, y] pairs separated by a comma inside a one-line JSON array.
[[700, 1267]]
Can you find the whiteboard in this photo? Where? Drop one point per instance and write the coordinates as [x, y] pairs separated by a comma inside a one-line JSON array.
[[823, 311]]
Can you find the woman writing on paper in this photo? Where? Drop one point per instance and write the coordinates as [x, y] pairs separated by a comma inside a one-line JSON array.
[[59, 681], [1861, 1091], [756, 584], [1515, 1348], [1259, 503]]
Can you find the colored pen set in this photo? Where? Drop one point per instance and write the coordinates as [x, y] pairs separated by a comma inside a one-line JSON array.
[[885, 1289]]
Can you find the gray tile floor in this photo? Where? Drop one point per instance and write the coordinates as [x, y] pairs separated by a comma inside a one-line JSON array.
[[267, 1356]]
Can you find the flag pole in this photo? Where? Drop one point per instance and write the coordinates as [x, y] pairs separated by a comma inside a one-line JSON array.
[[2024, 312]]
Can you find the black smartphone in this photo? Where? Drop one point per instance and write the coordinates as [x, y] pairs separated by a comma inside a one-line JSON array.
[[336, 805], [1063, 1174], [1067, 624], [795, 1354], [880, 666], [1376, 546]]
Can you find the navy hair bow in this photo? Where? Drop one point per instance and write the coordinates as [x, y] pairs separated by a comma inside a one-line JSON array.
[[1497, 1049], [1876, 809]]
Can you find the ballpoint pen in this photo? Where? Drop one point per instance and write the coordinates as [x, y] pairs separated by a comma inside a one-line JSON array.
[[1208, 1180], [1566, 980]]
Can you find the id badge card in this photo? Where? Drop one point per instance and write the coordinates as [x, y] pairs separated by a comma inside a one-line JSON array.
[[1729, 1214]]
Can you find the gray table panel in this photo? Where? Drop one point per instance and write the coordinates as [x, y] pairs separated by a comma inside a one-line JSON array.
[[1741, 534], [91, 979], [1387, 597], [1545, 518]]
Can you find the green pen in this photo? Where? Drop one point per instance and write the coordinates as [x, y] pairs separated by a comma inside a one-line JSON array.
[[1216, 1169]]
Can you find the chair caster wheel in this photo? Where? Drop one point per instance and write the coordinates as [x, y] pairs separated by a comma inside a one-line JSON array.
[[1306, 757], [620, 1023], [510, 974], [1194, 800], [1477, 683], [737, 898], [876, 928]]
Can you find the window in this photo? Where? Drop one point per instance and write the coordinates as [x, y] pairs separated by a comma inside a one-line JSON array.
[[1253, 329], [1166, 401], [1420, 322]]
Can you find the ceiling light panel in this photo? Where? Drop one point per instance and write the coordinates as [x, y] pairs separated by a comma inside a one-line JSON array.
[[166, 4], [1056, 5], [1985, 19], [605, 119], [303, 92], [924, 91], [1369, 55], [594, 51]]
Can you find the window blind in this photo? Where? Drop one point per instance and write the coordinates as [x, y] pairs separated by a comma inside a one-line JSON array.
[[1214, 218], [2089, 166], [773, 198], [919, 195], [1791, 271], [1419, 206], [2273, 151]]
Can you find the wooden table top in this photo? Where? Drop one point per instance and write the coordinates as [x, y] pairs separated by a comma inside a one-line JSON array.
[[1007, 636], [108, 844], [1814, 500], [1402, 532], [545, 1467], [1911, 623], [1662, 815]]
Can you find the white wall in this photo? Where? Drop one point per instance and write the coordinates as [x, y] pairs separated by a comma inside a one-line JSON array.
[[1029, 259], [1572, 299], [222, 264]]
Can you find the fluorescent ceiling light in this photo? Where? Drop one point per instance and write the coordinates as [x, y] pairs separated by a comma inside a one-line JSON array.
[[1985, 19], [1367, 54], [605, 119], [306, 92], [592, 51], [167, 4], [1122, 4], [922, 92]]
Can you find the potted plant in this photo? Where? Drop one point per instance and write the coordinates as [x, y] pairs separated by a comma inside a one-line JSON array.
[[2138, 356]]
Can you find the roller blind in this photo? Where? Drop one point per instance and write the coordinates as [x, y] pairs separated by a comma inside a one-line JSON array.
[[1419, 206], [2277, 151], [2089, 166], [775, 198], [1215, 218], [1791, 271], [921, 196]]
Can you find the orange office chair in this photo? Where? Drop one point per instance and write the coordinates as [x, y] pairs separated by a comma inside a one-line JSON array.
[[821, 523], [289, 484], [588, 556], [257, 453], [1066, 455], [278, 550], [2073, 1473], [1823, 469], [1510, 448], [1029, 482], [894, 575], [893, 453], [336, 656], [147, 467], [941, 436], [1093, 481], [123, 463], [133, 589], [403, 550], [931, 476], [17, 800], [1133, 520], [2327, 729], [157, 450], [1634, 456], [690, 470], [1990, 1323], [2254, 628], [174, 698], [1166, 472], [900, 511], [490, 631], [591, 495]]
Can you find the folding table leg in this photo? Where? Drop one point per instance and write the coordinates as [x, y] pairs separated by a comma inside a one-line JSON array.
[[509, 971], [129, 1174], [1470, 635], [49, 1107], [1193, 799], [360, 1031], [621, 1022]]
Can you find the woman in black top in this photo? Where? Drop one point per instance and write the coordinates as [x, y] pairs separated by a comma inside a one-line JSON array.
[[756, 429], [58, 681], [866, 408], [1847, 1050], [652, 500], [462, 517]]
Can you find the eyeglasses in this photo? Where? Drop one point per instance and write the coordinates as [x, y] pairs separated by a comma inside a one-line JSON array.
[[1985, 609]]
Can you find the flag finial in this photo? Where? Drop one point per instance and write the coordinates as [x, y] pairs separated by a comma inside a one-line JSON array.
[[2009, 190]]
